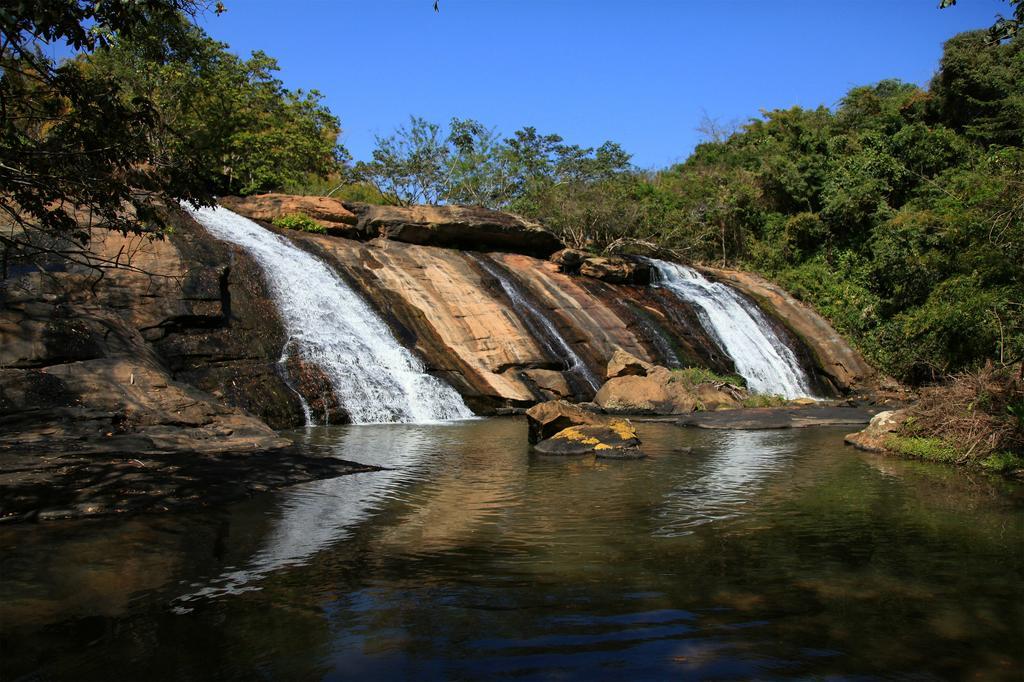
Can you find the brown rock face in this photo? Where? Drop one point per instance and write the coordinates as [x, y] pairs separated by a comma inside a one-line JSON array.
[[844, 367], [120, 404], [461, 227], [147, 355], [553, 385], [330, 213], [569, 260], [651, 394]]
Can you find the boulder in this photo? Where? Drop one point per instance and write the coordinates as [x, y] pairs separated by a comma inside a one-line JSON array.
[[624, 364], [460, 227], [659, 391], [881, 427], [613, 439], [547, 419], [551, 383], [568, 260], [616, 270], [330, 213]]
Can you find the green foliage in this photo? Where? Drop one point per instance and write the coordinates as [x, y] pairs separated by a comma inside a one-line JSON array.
[[931, 449], [301, 222], [151, 111], [764, 400], [229, 120], [469, 164], [691, 376], [898, 216], [1003, 462], [68, 139]]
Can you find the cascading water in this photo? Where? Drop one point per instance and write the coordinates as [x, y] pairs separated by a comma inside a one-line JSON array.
[[375, 379], [740, 328], [542, 327]]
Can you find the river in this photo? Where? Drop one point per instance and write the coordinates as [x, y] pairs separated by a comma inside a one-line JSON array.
[[723, 555]]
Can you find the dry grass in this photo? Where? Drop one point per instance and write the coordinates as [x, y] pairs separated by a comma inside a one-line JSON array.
[[978, 414]]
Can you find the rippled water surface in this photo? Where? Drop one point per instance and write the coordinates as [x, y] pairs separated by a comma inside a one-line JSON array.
[[724, 555]]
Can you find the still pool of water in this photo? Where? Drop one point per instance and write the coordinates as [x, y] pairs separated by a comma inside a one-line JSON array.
[[723, 555]]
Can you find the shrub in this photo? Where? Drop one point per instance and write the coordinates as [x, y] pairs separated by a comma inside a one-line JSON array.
[[692, 376], [976, 415], [299, 221], [931, 449], [764, 400]]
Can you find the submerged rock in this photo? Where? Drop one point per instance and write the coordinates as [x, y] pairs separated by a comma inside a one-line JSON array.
[[614, 439]]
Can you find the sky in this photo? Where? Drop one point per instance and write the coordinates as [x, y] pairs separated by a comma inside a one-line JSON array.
[[639, 72]]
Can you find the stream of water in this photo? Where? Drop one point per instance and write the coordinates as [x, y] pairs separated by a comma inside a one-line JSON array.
[[375, 379], [740, 328]]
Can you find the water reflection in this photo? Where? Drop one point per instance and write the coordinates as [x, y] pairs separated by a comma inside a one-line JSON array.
[[723, 555], [726, 479], [315, 515]]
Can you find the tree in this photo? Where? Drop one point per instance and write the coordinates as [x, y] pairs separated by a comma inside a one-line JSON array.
[[71, 145], [231, 121]]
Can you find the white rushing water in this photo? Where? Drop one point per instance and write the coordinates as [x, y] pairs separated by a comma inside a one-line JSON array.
[[375, 379], [740, 328], [558, 346]]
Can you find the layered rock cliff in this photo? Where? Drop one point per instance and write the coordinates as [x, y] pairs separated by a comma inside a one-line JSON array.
[[183, 350], [175, 351]]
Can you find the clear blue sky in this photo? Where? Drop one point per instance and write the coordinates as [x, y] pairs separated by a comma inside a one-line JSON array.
[[637, 72]]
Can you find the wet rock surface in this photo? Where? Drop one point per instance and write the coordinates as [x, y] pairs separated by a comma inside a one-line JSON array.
[[78, 484], [842, 366], [778, 417]]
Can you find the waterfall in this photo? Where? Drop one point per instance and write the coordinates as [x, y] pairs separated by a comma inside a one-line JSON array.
[[375, 379], [542, 327], [740, 328]]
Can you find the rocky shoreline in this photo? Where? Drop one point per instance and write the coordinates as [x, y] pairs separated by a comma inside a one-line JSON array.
[[45, 487]]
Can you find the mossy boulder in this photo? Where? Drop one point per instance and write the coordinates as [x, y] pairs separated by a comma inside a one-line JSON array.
[[614, 439]]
